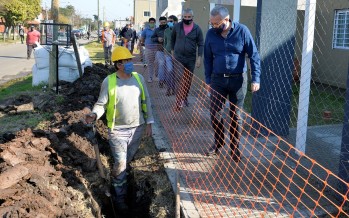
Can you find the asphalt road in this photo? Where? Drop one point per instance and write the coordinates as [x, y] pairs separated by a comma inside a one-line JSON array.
[[13, 62]]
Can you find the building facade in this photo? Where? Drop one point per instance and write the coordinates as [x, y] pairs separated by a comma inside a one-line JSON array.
[[143, 10]]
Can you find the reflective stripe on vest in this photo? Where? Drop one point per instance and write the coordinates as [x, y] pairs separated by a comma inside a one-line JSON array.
[[111, 106]]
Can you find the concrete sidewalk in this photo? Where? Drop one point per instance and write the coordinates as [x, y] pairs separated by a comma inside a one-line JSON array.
[[271, 180]]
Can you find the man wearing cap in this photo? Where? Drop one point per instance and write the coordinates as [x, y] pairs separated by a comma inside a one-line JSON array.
[[108, 41], [33, 37], [125, 97]]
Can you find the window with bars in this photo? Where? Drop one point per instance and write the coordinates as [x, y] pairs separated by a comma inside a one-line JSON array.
[[341, 29], [146, 13]]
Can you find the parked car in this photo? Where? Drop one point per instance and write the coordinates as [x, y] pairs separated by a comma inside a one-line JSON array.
[[62, 37], [83, 31], [77, 33]]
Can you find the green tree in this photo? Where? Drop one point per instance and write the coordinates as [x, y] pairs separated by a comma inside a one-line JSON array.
[[19, 11], [68, 11]]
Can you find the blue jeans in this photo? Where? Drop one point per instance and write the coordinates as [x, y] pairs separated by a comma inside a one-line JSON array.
[[123, 144], [169, 74], [236, 88], [160, 60], [150, 58]]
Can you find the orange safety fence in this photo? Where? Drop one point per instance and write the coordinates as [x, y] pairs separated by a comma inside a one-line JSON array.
[[272, 178]]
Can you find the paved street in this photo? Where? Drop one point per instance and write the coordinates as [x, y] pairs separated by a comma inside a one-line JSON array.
[[13, 62]]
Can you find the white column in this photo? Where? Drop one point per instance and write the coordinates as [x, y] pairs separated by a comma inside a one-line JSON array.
[[236, 15], [307, 55]]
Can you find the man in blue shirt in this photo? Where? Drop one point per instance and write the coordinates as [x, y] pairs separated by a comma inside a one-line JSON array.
[[226, 46], [150, 47]]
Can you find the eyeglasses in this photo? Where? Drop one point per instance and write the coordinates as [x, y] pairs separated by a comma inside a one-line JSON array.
[[218, 24]]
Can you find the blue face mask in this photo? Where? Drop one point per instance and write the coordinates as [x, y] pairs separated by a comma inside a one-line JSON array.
[[128, 68], [170, 24]]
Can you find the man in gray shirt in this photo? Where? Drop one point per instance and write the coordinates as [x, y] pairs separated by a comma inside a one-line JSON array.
[[125, 98]]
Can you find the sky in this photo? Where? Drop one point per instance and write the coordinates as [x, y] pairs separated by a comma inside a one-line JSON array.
[[113, 9]]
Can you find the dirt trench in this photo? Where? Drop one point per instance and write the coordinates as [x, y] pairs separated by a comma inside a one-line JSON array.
[[52, 171]]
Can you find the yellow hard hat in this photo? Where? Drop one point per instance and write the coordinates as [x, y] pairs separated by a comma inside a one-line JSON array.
[[121, 53], [106, 24]]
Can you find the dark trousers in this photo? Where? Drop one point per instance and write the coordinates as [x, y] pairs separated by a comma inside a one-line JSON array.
[[185, 80], [22, 38], [107, 54], [29, 51], [236, 88]]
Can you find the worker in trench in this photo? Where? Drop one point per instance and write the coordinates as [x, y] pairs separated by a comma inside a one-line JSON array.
[[125, 98]]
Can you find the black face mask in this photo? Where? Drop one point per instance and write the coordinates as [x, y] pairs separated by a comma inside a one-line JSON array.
[[163, 26], [187, 22], [219, 29]]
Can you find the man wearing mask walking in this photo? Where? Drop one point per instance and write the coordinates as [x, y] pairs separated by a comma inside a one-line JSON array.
[[187, 40], [158, 38], [169, 74], [149, 47], [226, 47], [108, 41]]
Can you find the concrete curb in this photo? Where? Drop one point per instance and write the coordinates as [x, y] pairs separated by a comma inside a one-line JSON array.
[[171, 165]]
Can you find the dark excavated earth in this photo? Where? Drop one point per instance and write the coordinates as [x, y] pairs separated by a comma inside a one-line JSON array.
[[51, 171]]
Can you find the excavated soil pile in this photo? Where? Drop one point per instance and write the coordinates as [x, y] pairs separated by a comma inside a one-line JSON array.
[[52, 171]]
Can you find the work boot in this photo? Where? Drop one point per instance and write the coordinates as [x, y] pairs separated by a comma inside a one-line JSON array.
[[236, 155], [213, 150]]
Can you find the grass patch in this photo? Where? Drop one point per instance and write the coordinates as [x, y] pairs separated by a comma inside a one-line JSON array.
[[320, 100], [96, 52], [17, 86], [17, 122]]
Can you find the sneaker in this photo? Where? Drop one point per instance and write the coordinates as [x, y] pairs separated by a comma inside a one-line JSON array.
[[145, 65], [213, 150], [150, 80], [236, 155]]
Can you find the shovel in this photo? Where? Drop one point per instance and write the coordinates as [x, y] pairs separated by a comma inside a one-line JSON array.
[[92, 137]]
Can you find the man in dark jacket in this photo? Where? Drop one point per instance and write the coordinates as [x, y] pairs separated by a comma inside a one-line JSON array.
[[187, 40], [158, 38], [133, 39], [126, 34]]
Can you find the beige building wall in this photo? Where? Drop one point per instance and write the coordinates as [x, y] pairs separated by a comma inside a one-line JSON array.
[[331, 64], [169, 7], [201, 10], [141, 6]]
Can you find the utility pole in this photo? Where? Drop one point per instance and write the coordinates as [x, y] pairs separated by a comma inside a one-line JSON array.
[[103, 14], [52, 80], [98, 20]]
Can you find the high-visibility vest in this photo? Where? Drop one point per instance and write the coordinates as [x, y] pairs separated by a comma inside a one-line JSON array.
[[111, 106]]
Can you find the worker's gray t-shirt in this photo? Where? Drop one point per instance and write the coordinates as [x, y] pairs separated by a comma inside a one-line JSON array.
[[128, 103]]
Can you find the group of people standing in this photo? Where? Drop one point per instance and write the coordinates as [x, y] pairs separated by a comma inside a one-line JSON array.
[[125, 97], [128, 37], [173, 41]]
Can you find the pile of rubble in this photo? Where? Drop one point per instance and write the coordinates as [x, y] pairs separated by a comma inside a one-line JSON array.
[[52, 172]]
